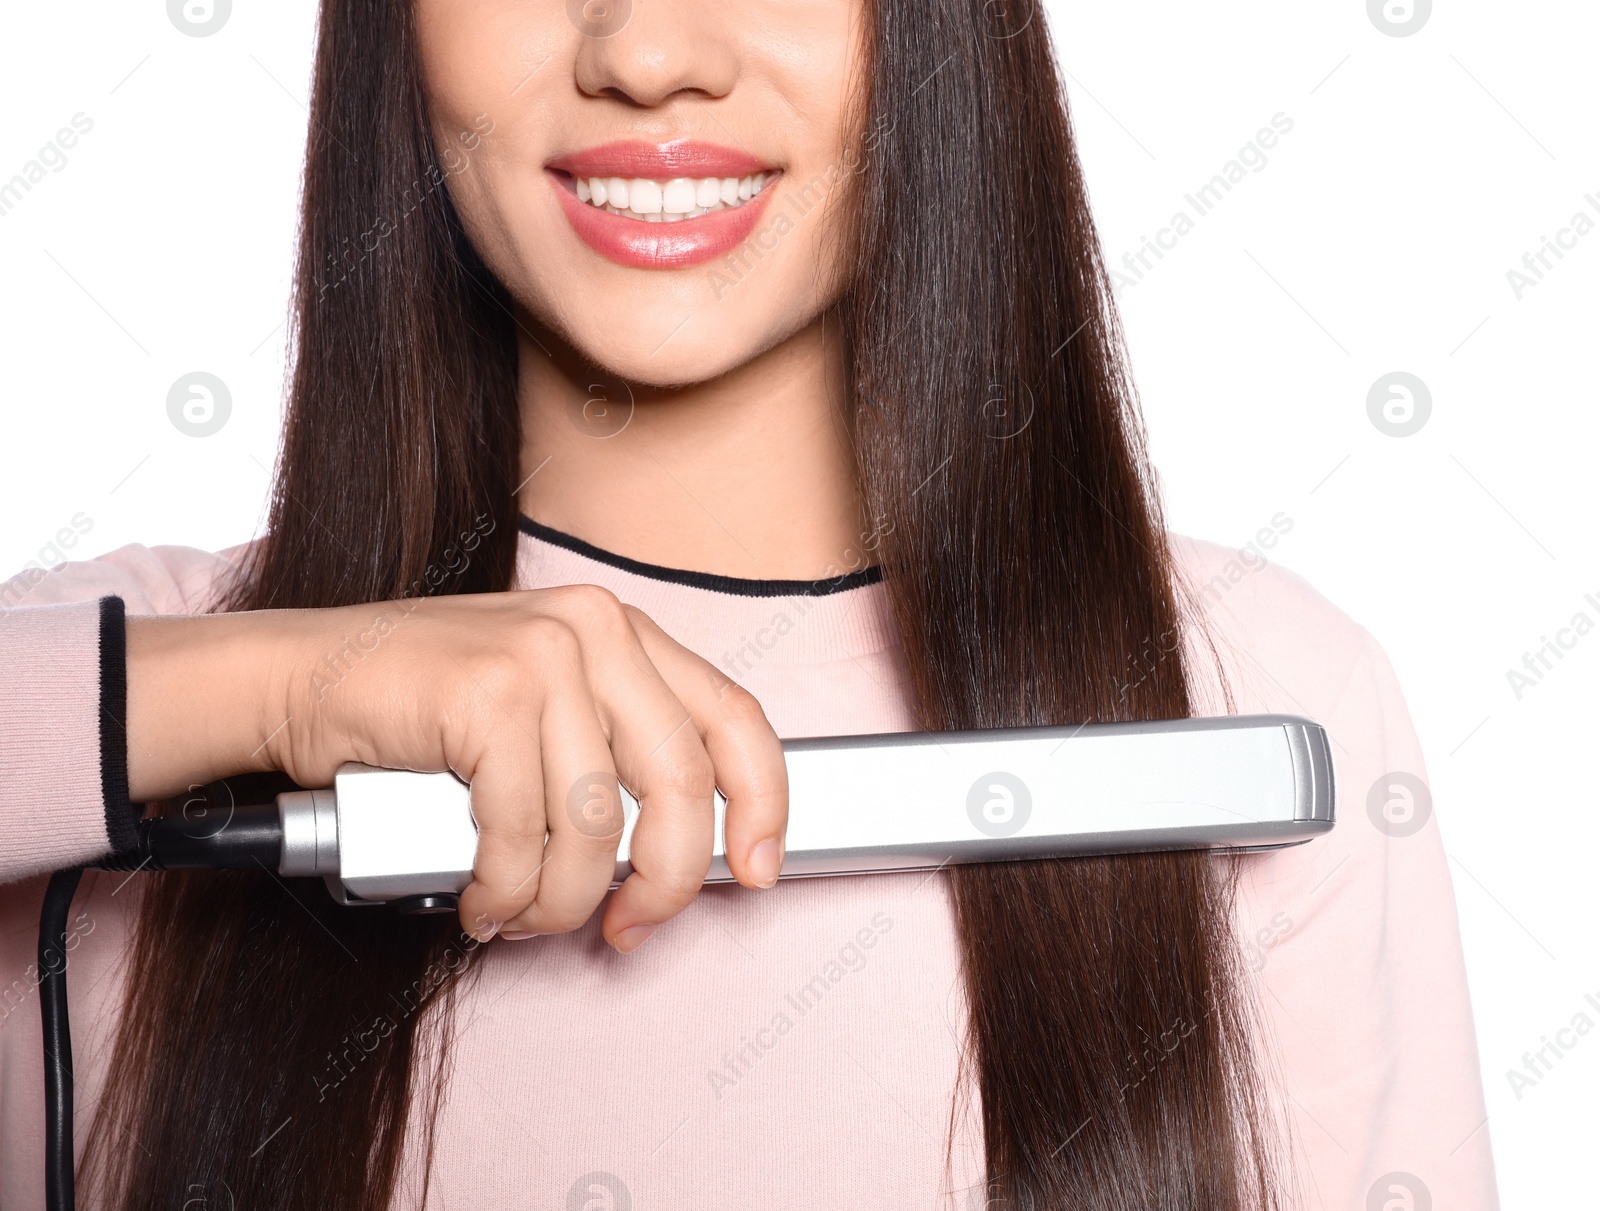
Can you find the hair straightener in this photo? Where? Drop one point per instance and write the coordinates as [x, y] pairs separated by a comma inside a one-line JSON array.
[[858, 805]]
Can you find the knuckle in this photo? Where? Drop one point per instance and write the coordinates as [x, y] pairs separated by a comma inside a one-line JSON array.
[[538, 649], [676, 889], [499, 674], [588, 597], [600, 610], [550, 637], [511, 840], [594, 807], [689, 775], [738, 707], [638, 618]]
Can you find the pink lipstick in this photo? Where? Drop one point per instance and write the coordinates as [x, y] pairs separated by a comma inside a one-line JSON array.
[[661, 206]]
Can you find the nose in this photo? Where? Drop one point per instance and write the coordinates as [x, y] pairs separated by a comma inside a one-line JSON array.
[[649, 52]]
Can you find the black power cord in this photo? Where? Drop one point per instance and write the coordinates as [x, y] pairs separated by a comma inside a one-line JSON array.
[[58, 1158], [238, 837], [249, 837]]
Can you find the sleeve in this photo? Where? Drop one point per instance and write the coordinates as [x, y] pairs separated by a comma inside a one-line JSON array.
[[1364, 981], [63, 697], [63, 745]]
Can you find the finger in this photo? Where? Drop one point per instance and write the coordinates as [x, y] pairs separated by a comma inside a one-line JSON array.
[[525, 713], [745, 752], [583, 814], [508, 806], [660, 756], [670, 850]]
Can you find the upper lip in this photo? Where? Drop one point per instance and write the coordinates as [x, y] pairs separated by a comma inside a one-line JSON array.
[[660, 161]]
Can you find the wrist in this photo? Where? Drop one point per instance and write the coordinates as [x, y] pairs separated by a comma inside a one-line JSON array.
[[201, 693], [312, 720]]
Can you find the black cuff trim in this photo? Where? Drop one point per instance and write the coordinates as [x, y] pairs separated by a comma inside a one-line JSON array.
[[734, 586], [120, 812]]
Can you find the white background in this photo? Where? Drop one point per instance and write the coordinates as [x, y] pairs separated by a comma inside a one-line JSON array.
[[1378, 237]]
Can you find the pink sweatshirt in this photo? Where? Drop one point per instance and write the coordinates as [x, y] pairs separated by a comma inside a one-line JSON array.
[[799, 1047]]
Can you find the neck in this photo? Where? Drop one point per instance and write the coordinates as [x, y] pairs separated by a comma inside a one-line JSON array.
[[749, 474]]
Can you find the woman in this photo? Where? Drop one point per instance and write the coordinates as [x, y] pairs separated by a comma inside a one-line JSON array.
[[677, 379]]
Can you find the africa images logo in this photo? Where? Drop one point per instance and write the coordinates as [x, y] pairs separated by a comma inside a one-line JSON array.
[[199, 18], [999, 804]]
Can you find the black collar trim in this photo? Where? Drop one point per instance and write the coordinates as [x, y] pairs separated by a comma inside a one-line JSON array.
[[733, 585]]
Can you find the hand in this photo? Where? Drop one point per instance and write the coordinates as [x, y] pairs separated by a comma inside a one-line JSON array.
[[535, 698]]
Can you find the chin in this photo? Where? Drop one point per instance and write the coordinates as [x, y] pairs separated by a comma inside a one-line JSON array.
[[670, 346]]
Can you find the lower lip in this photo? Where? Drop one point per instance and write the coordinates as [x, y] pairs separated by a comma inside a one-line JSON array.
[[640, 244]]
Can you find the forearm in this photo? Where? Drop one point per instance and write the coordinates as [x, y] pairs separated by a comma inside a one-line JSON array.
[[205, 697]]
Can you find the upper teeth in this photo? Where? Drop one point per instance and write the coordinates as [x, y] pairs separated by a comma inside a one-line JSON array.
[[668, 201]]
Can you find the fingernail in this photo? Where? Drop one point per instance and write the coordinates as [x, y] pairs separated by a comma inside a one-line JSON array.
[[516, 935], [766, 860], [489, 931], [633, 937]]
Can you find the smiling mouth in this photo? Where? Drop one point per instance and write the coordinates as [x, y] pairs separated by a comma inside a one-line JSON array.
[[668, 205], [672, 200]]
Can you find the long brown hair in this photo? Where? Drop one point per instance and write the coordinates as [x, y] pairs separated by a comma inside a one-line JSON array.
[[997, 436]]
